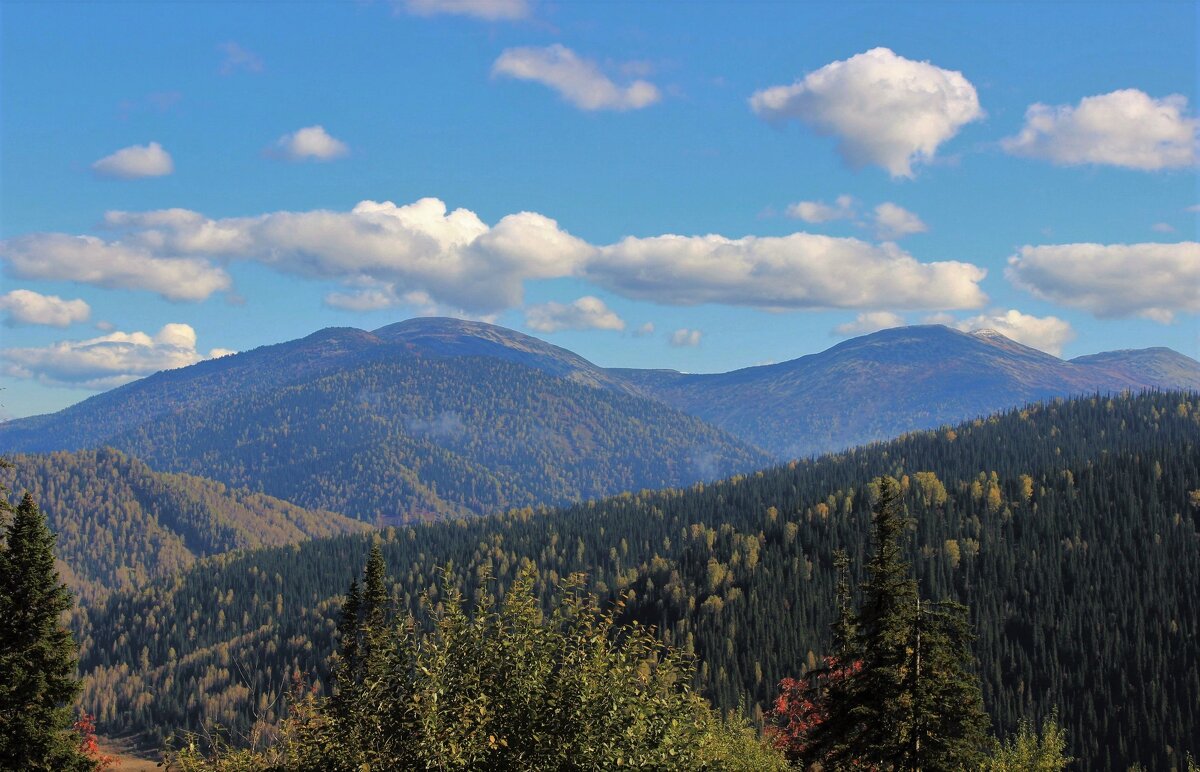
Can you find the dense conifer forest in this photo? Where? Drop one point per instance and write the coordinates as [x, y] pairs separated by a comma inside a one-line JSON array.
[[414, 438], [1070, 530], [119, 523]]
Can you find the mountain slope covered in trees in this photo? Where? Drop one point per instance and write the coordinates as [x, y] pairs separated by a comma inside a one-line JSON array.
[[1070, 529], [393, 401], [884, 384], [422, 420], [120, 524]]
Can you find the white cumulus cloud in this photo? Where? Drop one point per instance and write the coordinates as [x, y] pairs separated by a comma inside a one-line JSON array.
[[685, 338], [311, 143], [116, 265], [818, 211], [870, 321], [1127, 128], [490, 10], [28, 307], [1151, 280], [892, 222], [1046, 333], [579, 81], [645, 330], [384, 252], [799, 271], [423, 254], [586, 313], [134, 162], [884, 109], [107, 361]]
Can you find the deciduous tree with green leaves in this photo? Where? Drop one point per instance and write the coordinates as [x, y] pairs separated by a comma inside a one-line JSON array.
[[505, 686]]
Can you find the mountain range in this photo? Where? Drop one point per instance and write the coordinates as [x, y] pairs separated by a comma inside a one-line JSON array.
[[432, 417]]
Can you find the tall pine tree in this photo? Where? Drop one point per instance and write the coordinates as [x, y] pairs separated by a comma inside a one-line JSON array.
[[906, 698], [37, 654]]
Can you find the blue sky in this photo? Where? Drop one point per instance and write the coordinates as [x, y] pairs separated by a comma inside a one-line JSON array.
[[823, 170]]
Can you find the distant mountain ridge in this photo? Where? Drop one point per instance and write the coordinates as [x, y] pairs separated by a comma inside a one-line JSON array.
[[424, 419], [881, 385], [434, 417]]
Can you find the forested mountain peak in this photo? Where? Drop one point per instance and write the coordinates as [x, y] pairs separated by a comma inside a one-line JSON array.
[[444, 336], [902, 379]]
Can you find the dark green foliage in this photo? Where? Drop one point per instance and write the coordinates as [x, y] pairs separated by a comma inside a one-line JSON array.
[[910, 700], [1069, 530], [37, 654], [120, 524], [503, 688]]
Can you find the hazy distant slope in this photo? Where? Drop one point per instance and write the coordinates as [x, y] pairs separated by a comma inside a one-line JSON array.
[[90, 423], [880, 385], [119, 523], [433, 417], [419, 437]]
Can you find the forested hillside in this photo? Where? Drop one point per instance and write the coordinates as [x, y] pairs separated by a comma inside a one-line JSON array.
[[422, 438], [1071, 530], [120, 524]]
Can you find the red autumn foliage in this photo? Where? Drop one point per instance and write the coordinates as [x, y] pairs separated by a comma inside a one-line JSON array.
[[800, 707], [85, 727]]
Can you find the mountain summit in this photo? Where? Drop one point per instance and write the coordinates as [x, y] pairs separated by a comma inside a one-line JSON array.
[[884, 384], [432, 417]]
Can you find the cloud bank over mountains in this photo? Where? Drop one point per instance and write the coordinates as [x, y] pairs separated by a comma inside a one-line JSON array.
[[384, 253]]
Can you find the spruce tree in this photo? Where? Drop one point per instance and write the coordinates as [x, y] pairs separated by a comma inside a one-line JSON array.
[[37, 654], [908, 699]]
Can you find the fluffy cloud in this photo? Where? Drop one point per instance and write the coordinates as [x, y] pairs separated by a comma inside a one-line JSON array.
[[383, 251], [238, 58], [426, 255], [310, 143], [586, 313], [819, 212], [685, 338], [871, 321], [107, 361], [579, 81], [490, 10], [1126, 128], [895, 222], [884, 109], [134, 162], [645, 330], [29, 307], [1154, 281], [1047, 333], [802, 270], [116, 265]]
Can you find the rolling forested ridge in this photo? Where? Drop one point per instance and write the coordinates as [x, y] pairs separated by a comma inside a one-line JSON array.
[[1069, 529], [119, 523]]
